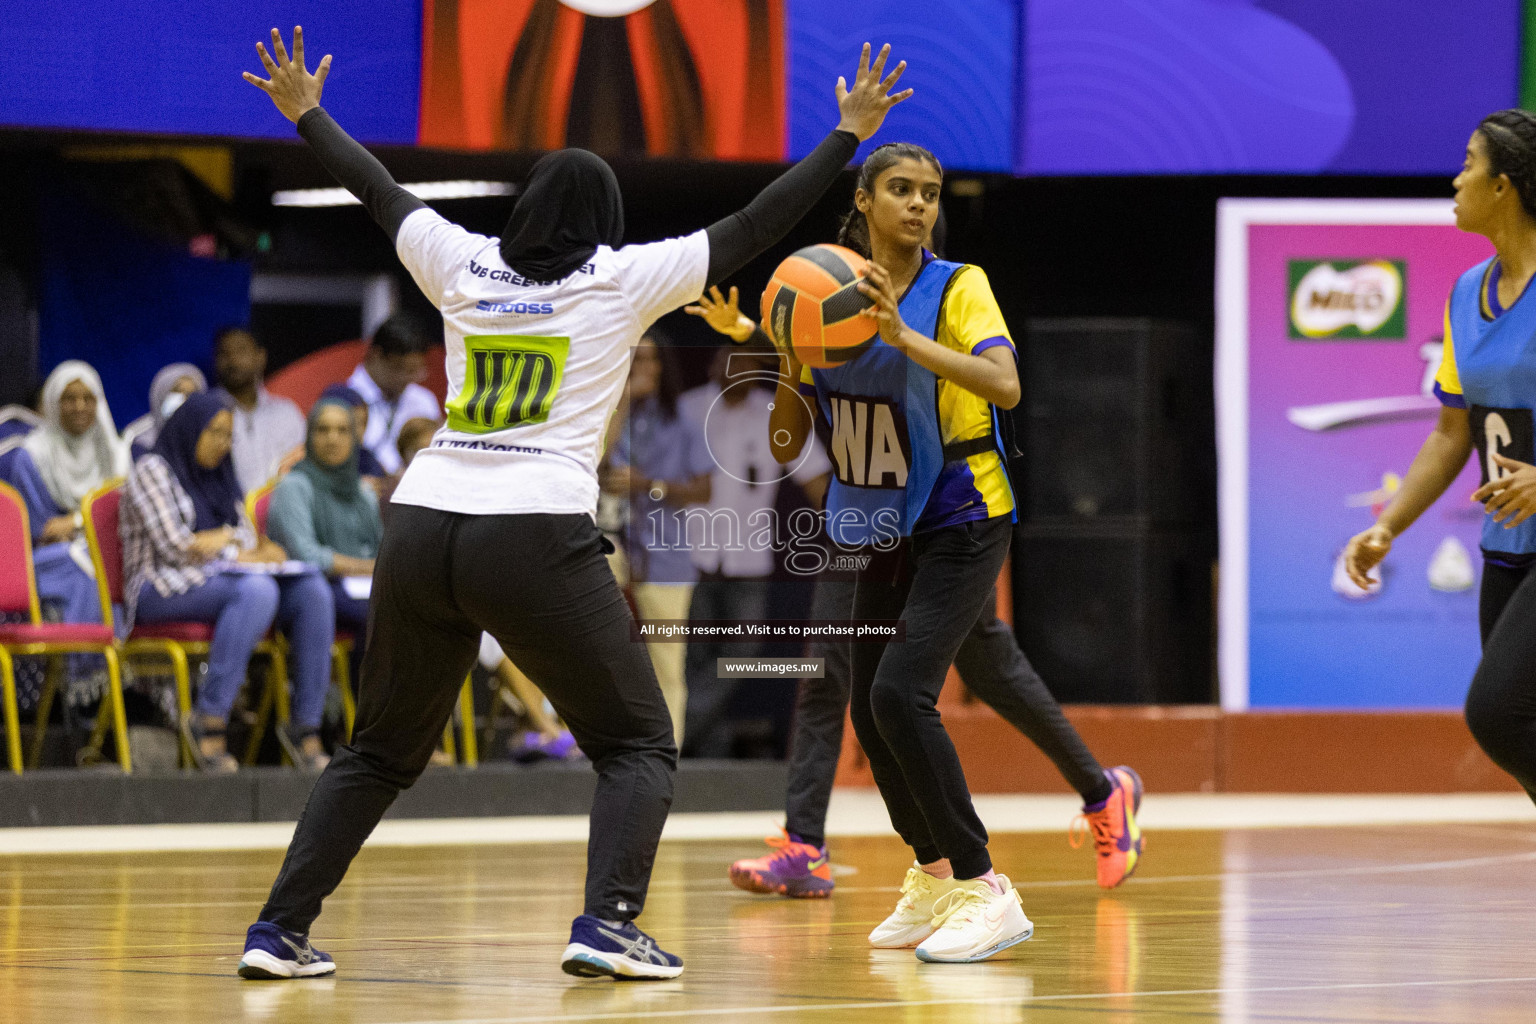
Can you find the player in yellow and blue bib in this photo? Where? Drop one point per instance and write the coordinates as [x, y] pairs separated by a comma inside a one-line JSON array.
[[1486, 384], [989, 660], [919, 484]]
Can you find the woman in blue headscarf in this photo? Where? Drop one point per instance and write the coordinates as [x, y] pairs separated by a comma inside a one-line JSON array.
[[323, 514], [190, 554]]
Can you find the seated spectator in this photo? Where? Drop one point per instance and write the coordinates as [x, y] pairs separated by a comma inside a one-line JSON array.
[[414, 436], [167, 391], [545, 738], [389, 379], [73, 452], [367, 463], [324, 515], [77, 448], [266, 427], [190, 554]]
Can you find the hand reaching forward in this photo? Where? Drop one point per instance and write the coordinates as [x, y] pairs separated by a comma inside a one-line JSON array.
[[293, 89], [724, 315], [865, 105]]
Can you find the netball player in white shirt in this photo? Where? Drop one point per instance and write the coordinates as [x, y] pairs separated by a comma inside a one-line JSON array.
[[492, 526]]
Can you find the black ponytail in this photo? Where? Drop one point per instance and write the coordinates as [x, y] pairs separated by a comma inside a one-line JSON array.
[[854, 231], [1510, 136]]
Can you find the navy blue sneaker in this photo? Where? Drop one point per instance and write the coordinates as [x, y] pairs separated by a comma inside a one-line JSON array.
[[273, 952], [622, 953]]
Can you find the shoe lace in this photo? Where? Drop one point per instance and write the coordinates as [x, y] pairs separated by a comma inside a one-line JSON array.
[[783, 847], [914, 888], [958, 906], [1099, 824]]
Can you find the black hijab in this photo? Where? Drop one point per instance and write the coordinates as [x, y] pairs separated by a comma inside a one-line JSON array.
[[215, 493], [569, 206]]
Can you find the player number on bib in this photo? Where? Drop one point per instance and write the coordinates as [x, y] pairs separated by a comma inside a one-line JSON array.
[[1507, 432], [509, 380]]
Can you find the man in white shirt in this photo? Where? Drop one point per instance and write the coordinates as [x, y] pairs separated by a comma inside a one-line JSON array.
[[267, 427], [733, 411], [389, 379]]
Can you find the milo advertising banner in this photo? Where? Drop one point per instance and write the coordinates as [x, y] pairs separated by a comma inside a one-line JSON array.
[[1329, 331]]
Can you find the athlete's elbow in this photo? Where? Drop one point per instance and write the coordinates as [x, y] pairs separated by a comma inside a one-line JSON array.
[[784, 454], [1008, 396]]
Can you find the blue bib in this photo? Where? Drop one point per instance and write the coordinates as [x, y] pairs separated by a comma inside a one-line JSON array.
[[1496, 361], [884, 438]]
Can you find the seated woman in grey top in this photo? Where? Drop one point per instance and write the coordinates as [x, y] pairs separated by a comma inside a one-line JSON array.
[[322, 513]]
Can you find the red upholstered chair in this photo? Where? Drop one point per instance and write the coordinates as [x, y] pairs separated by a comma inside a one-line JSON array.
[[36, 638], [170, 642], [257, 504]]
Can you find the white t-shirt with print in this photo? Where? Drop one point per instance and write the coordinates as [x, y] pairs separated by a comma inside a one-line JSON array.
[[534, 370]]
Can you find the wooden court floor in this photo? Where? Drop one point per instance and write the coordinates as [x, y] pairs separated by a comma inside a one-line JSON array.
[[1347, 926]]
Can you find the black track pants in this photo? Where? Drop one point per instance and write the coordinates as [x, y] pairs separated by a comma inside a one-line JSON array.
[[541, 586], [1501, 703]]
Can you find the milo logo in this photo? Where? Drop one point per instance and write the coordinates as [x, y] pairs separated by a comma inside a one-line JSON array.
[[1347, 299]]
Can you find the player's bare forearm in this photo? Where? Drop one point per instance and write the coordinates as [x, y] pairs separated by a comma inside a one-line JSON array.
[[991, 375], [1435, 467]]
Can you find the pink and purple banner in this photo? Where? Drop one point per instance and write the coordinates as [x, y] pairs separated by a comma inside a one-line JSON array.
[[1329, 328]]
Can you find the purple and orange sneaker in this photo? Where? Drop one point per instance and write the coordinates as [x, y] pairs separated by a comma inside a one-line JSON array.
[[795, 869], [1117, 837]]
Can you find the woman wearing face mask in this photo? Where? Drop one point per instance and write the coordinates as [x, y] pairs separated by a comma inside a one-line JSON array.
[[492, 526], [185, 537], [323, 515], [167, 391]]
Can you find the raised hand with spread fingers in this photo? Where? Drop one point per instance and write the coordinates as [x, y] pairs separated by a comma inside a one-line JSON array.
[[292, 88]]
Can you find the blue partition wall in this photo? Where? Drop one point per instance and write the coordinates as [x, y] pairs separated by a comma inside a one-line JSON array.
[[111, 65], [1260, 86]]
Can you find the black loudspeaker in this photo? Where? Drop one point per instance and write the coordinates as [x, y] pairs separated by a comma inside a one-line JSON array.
[[1116, 613], [1115, 422]]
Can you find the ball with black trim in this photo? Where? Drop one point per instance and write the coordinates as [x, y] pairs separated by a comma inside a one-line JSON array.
[[812, 305]]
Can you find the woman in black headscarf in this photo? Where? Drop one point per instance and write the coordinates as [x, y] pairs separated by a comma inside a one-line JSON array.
[[492, 525], [191, 555]]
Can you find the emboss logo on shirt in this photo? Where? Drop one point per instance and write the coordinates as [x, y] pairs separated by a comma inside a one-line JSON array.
[[538, 308], [869, 442]]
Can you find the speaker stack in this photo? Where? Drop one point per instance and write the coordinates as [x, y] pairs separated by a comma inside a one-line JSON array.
[[1113, 555]]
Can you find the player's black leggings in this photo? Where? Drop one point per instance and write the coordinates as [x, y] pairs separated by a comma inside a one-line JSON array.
[[541, 586], [1501, 703], [937, 582], [990, 664]]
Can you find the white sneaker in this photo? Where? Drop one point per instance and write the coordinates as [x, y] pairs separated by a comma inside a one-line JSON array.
[[974, 923], [912, 920]]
